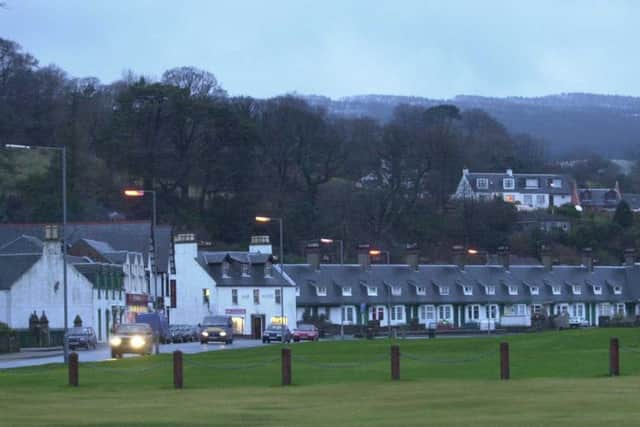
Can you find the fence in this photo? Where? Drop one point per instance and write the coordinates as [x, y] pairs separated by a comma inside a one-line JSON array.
[[288, 359]]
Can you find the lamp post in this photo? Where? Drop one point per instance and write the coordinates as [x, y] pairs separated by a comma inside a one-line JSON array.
[[134, 193], [265, 219], [63, 153], [328, 241]]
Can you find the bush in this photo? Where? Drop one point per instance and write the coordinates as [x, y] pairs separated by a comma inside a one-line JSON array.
[[5, 330]]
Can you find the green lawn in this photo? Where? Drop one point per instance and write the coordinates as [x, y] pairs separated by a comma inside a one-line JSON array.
[[557, 377]]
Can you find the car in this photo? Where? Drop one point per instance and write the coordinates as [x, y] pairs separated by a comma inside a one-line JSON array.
[[216, 328], [158, 323], [131, 338], [306, 332], [82, 337], [177, 334], [274, 333]]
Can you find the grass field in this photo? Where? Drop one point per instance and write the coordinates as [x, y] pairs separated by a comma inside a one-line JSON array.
[[557, 377]]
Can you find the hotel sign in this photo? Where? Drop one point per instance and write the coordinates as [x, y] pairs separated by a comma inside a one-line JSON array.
[[137, 299], [232, 311]]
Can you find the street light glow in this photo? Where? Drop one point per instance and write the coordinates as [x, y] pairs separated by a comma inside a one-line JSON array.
[[375, 252], [325, 240], [19, 146], [134, 193], [263, 219], [472, 251]]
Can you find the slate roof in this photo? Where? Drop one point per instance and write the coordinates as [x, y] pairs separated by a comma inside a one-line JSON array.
[[12, 267], [22, 245], [212, 262], [607, 198], [91, 270], [477, 277], [495, 181], [131, 236]]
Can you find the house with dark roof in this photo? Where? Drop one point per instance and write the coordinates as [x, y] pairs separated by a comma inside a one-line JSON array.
[[528, 191], [607, 199]]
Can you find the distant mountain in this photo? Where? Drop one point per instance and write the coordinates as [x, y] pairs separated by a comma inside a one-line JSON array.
[[571, 124]]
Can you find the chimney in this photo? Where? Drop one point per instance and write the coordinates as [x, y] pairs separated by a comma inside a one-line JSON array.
[[313, 255], [363, 256], [587, 259], [629, 257], [185, 244], [457, 252], [504, 253], [412, 253], [260, 244], [547, 257], [51, 232], [52, 243], [510, 172]]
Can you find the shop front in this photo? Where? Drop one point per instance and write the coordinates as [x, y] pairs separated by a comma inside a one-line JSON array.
[[237, 318], [136, 303]]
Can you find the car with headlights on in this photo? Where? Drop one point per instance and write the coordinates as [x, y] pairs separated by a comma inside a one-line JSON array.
[[216, 328], [131, 338], [84, 337], [274, 333], [306, 332]]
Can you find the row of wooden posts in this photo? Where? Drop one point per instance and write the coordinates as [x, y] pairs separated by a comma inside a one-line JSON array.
[[505, 374]]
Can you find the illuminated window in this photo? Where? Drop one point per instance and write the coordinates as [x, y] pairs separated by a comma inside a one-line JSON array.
[[509, 198], [278, 320]]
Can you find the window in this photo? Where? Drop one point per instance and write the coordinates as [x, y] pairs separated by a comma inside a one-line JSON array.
[[225, 270], [278, 297], [256, 296], [482, 183], [376, 313], [597, 290], [513, 290], [508, 183], [531, 183], [206, 297], [541, 199], [396, 291], [555, 183], [428, 312], [515, 310], [297, 291], [556, 290], [536, 309], [372, 291], [346, 291], [421, 290], [445, 312], [534, 290], [491, 290], [245, 270], [617, 290], [347, 314], [268, 268], [397, 312], [577, 290], [468, 290], [473, 312], [604, 309], [528, 199], [620, 311], [444, 290], [234, 296], [509, 198], [321, 291], [492, 311], [578, 310]]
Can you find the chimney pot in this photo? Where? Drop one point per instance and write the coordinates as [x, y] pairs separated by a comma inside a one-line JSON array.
[[313, 255], [363, 256]]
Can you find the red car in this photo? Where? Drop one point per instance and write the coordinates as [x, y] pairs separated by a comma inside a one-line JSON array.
[[306, 332]]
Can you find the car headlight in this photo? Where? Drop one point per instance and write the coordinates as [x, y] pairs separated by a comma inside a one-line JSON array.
[[223, 334], [205, 333], [137, 341], [115, 341]]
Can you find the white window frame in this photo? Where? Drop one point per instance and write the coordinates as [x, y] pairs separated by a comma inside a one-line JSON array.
[[396, 291], [427, 312], [537, 309], [508, 183], [482, 183], [513, 290], [321, 291], [348, 314], [297, 291], [372, 291], [234, 296], [617, 290], [467, 290], [443, 311], [532, 183], [528, 199], [421, 290], [577, 290], [620, 309], [377, 312], [556, 183], [472, 313], [277, 296], [556, 289], [515, 310], [490, 289], [397, 313], [541, 199], [492, 311], [597, 290], [534, 290], [578, 310], [246, 272], [347, 291], [444, 290]]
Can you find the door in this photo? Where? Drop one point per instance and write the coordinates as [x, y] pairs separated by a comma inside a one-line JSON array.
[[257, 326]]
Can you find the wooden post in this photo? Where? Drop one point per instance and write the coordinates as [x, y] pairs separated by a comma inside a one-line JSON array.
[[178, 377], [286, 366], [395, 362], [73, 369], [614, 357], [504, 361]]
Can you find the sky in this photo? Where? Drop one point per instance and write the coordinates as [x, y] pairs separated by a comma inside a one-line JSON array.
[[435, 49]]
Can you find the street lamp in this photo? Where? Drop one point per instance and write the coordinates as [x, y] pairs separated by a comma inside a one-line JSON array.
[[378, 252], [63, 153], [266, 219], [328, 241], [137, 193]]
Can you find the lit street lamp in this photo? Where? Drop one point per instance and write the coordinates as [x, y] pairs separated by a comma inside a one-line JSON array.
[[266, 219], [328, 241], [63, 153], [378, 252], [134, 193]]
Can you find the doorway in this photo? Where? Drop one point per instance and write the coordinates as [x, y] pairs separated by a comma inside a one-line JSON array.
[[257, 326]]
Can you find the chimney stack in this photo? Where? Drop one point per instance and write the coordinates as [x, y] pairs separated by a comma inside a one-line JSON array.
[[260, 244], [587, 259], [51, 232], [629, 257], [458, 254], [547, 257], [504, 253], [363, 256], [313, 255], [412, 254]]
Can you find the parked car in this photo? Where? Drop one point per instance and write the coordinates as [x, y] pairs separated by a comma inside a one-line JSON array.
[[159, 325], [82, 337], [306, 332], [216, 328], [274, 333], [193, 332], [131, 338], [177, 333]]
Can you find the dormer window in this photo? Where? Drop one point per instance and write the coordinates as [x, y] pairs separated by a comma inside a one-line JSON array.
[[421, 290], [468, 290], [482, 183], [321, 291], [444, 290], [556, 290], [531, 183], [508, 183], [245, 270], [396, 291], [372, 291], [577, 290], [534, 290], [225, 270], [597, 290], [346, 291], [491, 290], [555, 183], [617, 290], [513, 290]]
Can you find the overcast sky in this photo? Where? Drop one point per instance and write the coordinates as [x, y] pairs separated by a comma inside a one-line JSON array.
[[337, 48]]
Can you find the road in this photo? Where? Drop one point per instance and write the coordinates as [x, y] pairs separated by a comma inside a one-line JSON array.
[[104, 353]]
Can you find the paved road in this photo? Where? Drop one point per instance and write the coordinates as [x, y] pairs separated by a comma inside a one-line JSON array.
[[104, 353]]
